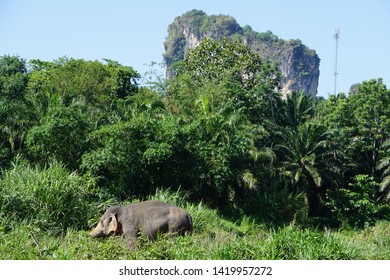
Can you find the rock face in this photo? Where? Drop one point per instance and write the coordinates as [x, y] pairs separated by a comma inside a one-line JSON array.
[[299, 65]]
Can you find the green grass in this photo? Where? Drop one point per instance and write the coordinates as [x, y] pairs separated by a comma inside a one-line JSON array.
[[46, 214], [51, 198], [213, 238]]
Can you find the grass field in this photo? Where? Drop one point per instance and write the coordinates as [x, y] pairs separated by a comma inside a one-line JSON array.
[[47, 213], [214, 237]]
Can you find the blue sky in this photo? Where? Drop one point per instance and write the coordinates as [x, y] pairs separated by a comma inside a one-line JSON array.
[[133, 32]]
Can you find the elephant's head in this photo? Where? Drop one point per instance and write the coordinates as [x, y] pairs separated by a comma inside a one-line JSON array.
[[108, 224]]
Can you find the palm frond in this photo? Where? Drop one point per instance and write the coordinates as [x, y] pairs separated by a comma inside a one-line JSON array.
[[384, 187]]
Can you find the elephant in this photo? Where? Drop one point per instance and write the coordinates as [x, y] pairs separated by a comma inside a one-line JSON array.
[[147, 218]]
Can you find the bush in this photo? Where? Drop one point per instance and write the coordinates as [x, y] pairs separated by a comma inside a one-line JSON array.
[[61, 136], [358, 205], [276, 206], [51, 199]]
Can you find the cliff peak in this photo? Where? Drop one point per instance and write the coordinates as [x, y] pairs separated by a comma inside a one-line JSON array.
[[298, 64]]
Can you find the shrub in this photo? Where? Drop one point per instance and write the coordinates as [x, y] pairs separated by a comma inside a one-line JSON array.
[[358, 204], [276, 206], [61, 136]]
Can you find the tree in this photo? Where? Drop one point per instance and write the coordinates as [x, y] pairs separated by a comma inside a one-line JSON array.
[[13, 77], [298, 108], [309, 162], [357, 203], [124, 79], [361, 122], [137, 155], [232, 71], [68, 80], [71, 97], [222, 90], [371, 114], [16, 115], [60, 137], [221, 143], [224, 60]]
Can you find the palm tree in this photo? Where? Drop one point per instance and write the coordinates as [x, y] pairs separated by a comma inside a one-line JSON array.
[[298, 108], [308, 161], [384, 164], [16, 117]]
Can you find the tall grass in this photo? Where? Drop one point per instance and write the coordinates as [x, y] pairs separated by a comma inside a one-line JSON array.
[[214, 237], [51, 199], [292, 242]]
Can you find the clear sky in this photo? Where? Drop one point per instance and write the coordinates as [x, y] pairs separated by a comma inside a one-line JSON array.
[[133, 32]]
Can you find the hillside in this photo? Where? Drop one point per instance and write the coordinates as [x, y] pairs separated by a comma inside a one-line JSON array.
[[299, 65]]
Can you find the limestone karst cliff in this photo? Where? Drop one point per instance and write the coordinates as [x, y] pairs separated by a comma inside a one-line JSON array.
[[299, 65]]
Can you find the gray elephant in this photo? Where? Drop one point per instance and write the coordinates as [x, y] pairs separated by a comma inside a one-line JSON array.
[[147, 218]]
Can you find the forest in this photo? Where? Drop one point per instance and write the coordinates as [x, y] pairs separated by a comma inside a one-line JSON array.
[[264, 175]]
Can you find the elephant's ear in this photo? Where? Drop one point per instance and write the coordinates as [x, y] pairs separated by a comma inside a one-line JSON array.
[[112, 224]]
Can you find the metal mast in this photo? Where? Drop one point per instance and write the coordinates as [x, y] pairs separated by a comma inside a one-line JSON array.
[[336, 35]]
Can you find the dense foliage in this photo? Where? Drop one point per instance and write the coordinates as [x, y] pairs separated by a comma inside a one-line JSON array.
[[76, 136]]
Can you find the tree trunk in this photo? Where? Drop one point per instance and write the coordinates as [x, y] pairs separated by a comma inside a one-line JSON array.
[[312, 200]]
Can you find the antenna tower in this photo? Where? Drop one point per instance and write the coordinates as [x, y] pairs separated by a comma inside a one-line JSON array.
[[336, 35]]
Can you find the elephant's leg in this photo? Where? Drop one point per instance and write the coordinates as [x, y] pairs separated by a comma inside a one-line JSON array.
[[131, 239], [131, 233]]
